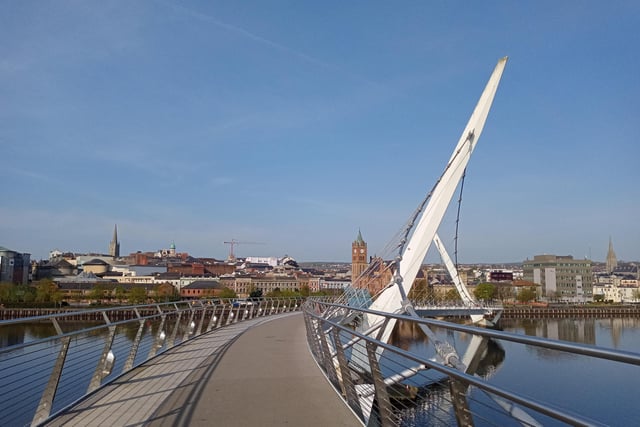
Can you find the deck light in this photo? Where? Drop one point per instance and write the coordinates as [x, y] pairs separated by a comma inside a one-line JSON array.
[[108, 364]]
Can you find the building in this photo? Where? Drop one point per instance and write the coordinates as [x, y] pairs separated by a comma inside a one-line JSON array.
[[612, 261], [96, 266], [618, 290], [500, 275], [14, 266], [201, 289], [114, 245], [358, 256], [561, 277]]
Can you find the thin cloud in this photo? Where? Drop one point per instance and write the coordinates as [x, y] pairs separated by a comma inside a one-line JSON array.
[[274, 45], [28, 174]]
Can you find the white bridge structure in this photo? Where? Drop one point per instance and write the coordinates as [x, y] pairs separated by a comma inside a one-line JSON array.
[[359, 343], [362, 359], [422, 229]]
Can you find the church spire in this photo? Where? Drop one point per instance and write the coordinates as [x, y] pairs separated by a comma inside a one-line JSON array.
[[612, 261], [114, 246]]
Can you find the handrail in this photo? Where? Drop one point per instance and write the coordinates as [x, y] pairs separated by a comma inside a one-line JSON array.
[[582, 349], [377, 380], [42, 376]]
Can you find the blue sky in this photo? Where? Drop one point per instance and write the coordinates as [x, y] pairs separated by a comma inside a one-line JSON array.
[[294, 124]]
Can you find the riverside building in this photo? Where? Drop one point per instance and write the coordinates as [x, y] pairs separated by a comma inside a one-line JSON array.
[[562, 278]]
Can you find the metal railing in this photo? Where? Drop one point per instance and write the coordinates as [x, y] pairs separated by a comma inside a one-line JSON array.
[[47, 363], [387, 385]]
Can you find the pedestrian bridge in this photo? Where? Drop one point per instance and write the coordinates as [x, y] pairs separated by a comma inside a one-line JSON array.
[[265, 363]]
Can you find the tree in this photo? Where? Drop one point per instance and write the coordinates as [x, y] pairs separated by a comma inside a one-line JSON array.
[[46, 290], [121, 293], [305, 291], [484, 291], [7, 292], [25, 294], [137, 295], [504, 292], [57, 297], [419, 291], [255, 293], [554, 295], [452, 295], [97, 293], [526, 295], [228, 293]]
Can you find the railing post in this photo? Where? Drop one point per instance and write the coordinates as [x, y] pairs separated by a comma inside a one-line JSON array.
[[346, 381], [134, 347], [160, 337], [230, 315], [102, 368], [201, 322], [460, 406], [174, 331], [214, 318], [46, 401], [329, 366], [382, 396], [222, 309], [190, 329]]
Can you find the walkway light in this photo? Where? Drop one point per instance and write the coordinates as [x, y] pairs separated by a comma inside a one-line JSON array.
[[108, 364]]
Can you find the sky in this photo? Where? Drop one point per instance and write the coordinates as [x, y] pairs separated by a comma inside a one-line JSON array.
[[288, 126]]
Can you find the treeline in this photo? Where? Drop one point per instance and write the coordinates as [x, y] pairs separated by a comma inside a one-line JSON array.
[[45, 294], [421, 291]]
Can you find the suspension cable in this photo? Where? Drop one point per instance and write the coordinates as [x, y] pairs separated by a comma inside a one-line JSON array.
[[455, 253]]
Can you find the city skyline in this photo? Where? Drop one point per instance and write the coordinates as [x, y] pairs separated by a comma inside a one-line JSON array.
[[198, 123]]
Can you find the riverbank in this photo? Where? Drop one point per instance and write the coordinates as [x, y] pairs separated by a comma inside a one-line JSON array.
[[510, 312], [75, 314], [598, 311]]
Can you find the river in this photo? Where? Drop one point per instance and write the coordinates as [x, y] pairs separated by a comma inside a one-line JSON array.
[[601, 390]]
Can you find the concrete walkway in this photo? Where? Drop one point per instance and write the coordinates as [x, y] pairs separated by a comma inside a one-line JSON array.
[[256, 372]]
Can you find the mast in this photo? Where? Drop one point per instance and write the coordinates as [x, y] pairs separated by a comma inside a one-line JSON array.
[[391, 299]]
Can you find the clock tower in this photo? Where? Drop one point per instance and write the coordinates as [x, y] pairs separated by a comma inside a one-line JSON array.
[[358, 257]]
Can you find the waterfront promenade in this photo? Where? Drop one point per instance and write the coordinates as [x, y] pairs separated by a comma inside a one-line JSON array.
[[256, 372]]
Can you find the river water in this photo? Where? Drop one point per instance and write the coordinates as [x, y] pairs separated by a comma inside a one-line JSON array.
[[597, 389]]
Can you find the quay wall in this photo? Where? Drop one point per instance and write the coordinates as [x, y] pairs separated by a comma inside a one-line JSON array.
[[510, 312], [83, 315], [520, 312]]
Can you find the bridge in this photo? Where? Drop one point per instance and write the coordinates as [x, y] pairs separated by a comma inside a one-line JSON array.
[[206, 362], [272, 362]]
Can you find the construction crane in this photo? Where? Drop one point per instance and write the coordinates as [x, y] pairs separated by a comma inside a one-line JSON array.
[[233, 243]]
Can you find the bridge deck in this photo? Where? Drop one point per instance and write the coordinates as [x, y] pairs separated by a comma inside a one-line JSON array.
[[256, 372]]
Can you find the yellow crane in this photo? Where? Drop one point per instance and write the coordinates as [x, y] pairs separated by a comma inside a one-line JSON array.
[[232, 243]]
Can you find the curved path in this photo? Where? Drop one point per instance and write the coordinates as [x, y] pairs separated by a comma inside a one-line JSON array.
[[256, 372]]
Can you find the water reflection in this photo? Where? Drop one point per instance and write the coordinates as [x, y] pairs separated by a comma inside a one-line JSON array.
[[484, 355], [432, 403], [601, 332]]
